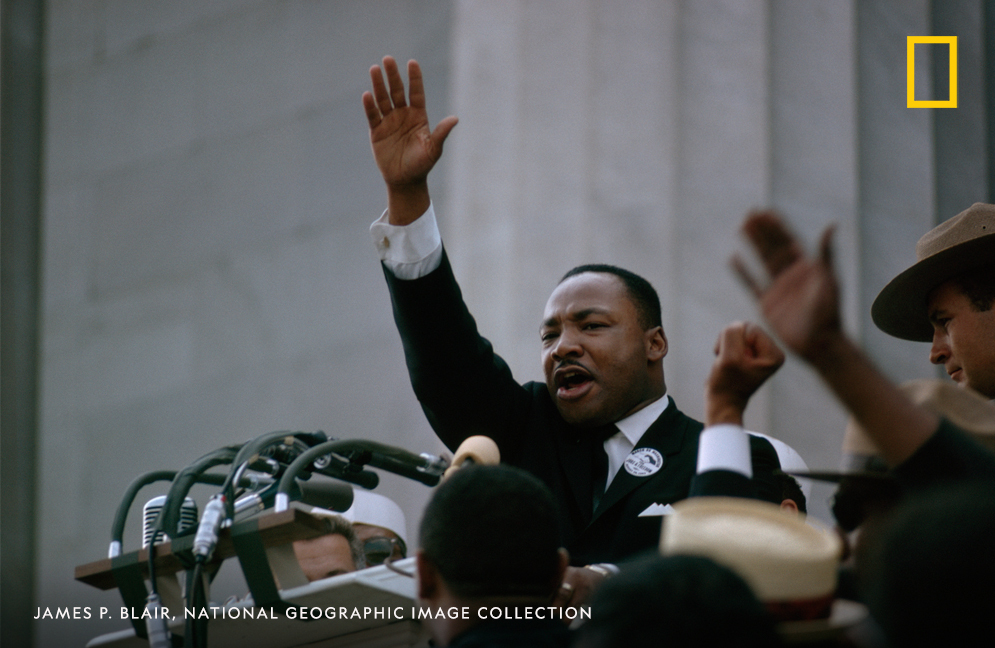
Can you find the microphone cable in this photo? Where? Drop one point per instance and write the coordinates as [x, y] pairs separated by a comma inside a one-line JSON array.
[[169, 517], [121, 514]]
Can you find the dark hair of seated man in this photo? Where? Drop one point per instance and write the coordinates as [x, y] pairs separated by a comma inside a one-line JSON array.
[[792, 491], [676, 601], [492, 531], [490, 540]]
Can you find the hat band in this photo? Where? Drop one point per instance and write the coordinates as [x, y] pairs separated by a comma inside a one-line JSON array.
[[801, 609], [864, 463]]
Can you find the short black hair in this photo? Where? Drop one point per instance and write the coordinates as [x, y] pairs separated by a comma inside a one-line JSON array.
[[642, 294], [679, 601], [790, 489], [493, 531], [978, 285]]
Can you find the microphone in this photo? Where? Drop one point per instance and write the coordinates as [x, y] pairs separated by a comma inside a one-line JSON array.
[[478, 449], [150, 513], [424, 468], [326, 494]]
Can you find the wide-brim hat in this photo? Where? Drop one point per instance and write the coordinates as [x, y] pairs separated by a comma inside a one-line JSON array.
[[964, 242], [963, 407], [861, 460]]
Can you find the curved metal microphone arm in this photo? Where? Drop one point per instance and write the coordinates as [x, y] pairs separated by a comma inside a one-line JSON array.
[[426, 469]]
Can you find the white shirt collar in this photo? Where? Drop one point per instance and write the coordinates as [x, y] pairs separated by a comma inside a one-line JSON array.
[[635, 425]]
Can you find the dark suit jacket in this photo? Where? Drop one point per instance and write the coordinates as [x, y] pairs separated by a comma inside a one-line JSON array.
[[466, 389], [947, 457]]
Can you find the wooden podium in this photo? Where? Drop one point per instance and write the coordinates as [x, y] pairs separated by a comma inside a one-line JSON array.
[[373, 607]]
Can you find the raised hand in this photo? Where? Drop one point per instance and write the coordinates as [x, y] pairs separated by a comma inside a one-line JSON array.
[[801, 302], [404, 147], [745, 357]]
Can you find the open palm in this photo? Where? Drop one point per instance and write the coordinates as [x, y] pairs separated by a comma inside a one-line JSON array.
[[404, 147], [801, 303]]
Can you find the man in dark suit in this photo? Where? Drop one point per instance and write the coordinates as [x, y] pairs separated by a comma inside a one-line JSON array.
[[601, 432]]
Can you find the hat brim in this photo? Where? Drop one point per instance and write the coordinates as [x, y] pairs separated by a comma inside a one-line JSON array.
[[900, 308], [844, 615], [837, 476]]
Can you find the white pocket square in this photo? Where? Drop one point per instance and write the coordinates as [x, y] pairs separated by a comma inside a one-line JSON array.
[[657, 509]]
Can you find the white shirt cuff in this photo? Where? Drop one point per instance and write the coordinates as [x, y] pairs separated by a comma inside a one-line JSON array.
[[409, 251], [725, 447]]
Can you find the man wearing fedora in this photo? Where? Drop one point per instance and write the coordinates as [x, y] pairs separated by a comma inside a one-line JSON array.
[[802, 306], [947, 298]]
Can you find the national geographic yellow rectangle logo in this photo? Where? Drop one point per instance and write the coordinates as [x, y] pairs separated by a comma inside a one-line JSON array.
[[910, 58]]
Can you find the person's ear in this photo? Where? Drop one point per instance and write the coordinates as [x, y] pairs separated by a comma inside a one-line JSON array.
[[427, 577], [656, 343], [789, 506]]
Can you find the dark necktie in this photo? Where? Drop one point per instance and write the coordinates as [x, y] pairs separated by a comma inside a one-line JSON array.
[[599, 463]]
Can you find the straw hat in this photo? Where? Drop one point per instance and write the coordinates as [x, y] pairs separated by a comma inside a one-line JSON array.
[[778, 555], [965, 241], [790, 565]]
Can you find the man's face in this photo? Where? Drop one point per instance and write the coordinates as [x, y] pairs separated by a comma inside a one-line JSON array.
[[600, 364], [377, 535], [963, 339], [324, 557]]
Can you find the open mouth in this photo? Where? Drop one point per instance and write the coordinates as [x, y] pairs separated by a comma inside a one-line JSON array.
[[572, 382]]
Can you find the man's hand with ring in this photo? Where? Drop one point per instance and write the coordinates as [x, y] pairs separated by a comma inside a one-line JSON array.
[[577, 586]]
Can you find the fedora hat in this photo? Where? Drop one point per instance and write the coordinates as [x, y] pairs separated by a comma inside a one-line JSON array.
[[965, 408], [965, 241], [861, 460]]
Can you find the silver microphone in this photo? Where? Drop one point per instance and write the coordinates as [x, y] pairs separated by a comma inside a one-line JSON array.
[[151, 510]]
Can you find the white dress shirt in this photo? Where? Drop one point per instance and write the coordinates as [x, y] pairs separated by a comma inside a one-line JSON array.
[[409, 251], [631, 430]]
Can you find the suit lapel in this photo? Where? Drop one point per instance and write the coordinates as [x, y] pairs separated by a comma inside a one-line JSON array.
[[666, 436]]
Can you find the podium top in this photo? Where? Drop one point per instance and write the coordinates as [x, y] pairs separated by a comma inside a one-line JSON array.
[[370, 607]]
